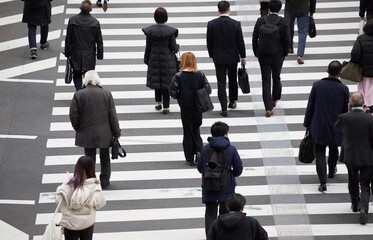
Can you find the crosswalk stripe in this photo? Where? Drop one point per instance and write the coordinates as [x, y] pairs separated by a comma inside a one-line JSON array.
[[28, 68]]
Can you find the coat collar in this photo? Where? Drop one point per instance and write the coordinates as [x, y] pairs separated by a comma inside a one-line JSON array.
[[332, 79]]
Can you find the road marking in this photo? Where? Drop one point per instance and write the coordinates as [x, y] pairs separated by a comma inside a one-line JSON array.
[[8, 232], [28, 68], [17, 137], [18, 202], [26, 80]]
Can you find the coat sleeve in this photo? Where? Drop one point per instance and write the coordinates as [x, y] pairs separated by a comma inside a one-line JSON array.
[[346, 100], [237, 164], [174, 87], [113, 118], [200, 159], [68, 40], [371, 134], [74, 113], [285, 37], [98, 200], [261, 234], [212, 231], [147, 50], [338, 124], [356, 52], [310, 108], [172, 44], [240, 42], [312, 6], [99, 42], [210, 40], [255, 38]]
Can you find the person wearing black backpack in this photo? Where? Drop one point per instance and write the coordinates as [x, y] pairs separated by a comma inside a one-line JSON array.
[[271, 41], [220, 159]]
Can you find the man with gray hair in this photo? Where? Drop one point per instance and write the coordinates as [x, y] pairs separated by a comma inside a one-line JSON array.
[[94, 118], [357, 129]]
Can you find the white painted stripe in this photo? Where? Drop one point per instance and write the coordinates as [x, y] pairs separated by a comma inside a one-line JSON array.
[[173, 174], [18, 136], [28, 68], [18, 17], [17, 202], [8, 232], [4, 1], [21, 42], [25, 80]]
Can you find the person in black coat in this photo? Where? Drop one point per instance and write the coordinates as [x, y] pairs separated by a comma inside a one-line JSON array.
[[235, 225], [82, 37], [225, 45], [328, 98], [366, 6], [160, 57], [271, 63], [183, 88], [357, 129], [37, 13]]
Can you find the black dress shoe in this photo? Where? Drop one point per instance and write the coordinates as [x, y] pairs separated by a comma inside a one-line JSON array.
[[354, 207], [190, 163], [363, 217], [224, 113], [322, 187], [158, 107], [232, 105], [331, 174]]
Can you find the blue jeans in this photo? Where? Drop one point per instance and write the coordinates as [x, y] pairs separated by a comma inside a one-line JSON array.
[[302, 22], [32, 35]]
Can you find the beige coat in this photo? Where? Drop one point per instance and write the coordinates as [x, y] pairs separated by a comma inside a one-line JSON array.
[[79, 207]]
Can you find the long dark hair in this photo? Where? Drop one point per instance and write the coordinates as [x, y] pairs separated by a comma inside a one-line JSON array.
[[84, 169]]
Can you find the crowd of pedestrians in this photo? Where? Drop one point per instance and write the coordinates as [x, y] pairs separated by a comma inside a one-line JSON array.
[[332, 117]]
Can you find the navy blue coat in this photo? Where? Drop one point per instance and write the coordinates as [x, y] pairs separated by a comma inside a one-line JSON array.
[[328, 98], [234, 164]]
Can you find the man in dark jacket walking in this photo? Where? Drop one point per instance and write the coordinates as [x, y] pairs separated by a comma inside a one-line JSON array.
[[37, 13], [226, 45], [215, 199], [94, 118], [235, 225], [271, 54], [328, 98], [82, 37], [357, 129]]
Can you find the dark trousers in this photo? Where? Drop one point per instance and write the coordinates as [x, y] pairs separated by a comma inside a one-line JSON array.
[[192, 141], [105, 163], [211, 213], [321, 160], [77, 78], [32, 35], [364, 176], [85, 234], [221, 71], [162, 94], [271, 65]]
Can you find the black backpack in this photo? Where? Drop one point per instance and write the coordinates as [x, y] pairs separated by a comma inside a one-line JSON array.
[[215, 172], [269, 36]]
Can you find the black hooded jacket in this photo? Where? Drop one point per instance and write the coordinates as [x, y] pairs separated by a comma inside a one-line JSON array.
[[362, 51], [236, 226]]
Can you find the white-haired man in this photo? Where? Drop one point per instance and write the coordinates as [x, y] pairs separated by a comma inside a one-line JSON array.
[[94, 118]]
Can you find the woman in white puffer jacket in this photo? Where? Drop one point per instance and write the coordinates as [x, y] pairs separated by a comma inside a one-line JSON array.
[[81, 196]]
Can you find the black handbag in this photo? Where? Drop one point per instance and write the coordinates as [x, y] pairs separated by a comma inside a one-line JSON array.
[[306, 149], [117, 150], [68, 72], [311, 27], [203, 100], [243, 80]]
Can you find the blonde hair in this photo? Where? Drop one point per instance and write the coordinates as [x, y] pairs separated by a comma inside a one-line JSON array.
[[188, 62], [91, 77]]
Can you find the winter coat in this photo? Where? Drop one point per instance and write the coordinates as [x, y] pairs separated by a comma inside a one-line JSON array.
[[94, 118], [160, 55], [300, 6], [184, 87], [37, 12], [362, 52], [328, 98], [233, 164], [236, 226], [82, 37], [79, 207]]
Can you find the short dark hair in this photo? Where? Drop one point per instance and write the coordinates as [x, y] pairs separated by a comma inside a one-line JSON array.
[[356, 99], [86, 6], [160, 15], [223, 6], [334, 68], [235, 202], [219, 129], [275, 6]]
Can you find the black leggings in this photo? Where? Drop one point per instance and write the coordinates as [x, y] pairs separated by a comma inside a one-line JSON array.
[[85, 234], [162, 93]]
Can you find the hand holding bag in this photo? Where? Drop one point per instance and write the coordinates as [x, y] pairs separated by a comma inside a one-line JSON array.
[[243, 80], [311, 27], [306, 149], [351, 71], [117, 150], [53, 231]]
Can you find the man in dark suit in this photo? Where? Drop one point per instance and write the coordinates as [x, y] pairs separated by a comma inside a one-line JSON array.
[[271, 60], [328, 98], [226, 45], [357, 129]]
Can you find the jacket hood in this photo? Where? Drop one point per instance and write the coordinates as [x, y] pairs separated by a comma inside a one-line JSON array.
[[160, 31], [218, 142], [368, 29], [79, 198], [232, 220]]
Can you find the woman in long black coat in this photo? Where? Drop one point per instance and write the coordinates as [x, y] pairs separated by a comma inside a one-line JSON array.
[[160, 57], [37, 13]]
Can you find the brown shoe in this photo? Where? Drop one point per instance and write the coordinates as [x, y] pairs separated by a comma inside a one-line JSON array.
[[105, 6], [300, 60], [291, 50], [269, 113], [275, 103]]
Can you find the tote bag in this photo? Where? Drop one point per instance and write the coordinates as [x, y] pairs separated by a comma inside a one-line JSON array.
[[53, 231], [351, 71], [203, 100]]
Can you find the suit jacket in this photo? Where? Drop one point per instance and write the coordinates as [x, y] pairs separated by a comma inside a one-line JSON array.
[[357, 129], [283, 45], [225, 42], [328, 98], [94, 118]]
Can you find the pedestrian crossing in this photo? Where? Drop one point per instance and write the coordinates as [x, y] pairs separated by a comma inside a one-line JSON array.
[[153, 194]]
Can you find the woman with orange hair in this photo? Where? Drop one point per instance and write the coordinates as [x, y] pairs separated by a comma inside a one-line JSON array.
[[183, 88]]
